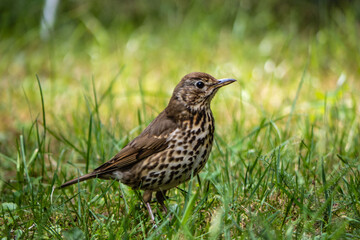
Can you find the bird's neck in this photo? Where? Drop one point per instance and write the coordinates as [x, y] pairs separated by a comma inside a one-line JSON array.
[[188, 117]]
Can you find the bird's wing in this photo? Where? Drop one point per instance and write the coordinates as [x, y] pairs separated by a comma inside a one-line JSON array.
[[141, 147], [134, 152], [152, 140]]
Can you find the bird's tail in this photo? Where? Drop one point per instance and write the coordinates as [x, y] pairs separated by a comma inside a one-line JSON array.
[[79, 179]]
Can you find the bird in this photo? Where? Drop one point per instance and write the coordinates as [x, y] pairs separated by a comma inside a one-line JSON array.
[[173, 148]]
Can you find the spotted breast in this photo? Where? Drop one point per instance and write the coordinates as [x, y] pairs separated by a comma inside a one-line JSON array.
[[188, 149]]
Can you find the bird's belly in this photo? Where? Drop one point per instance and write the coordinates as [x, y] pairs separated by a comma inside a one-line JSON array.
[[183, 159]]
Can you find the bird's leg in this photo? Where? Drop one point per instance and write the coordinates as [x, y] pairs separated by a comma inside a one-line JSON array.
[[160, 197], [147, 198]]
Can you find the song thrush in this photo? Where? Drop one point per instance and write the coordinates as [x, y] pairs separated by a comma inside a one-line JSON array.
[[173, 148]]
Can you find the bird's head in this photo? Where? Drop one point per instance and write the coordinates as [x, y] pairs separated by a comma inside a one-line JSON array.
[[196, 90]]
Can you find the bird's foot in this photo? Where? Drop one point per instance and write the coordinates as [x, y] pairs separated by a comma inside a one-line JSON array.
[[151, 214]]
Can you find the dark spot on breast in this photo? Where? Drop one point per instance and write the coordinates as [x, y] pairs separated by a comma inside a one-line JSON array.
[[204, 154], [175, 167], [199, 143], [191, 153], [179, 159], [189, 134], [173, 173], [178, 152], [180, 143], [211, 128], [197, 152], [199, 116], [162, 166], [203, 125], [152, 166], [184, 152], [198, 131], [191, 122], [168, 181], [153, 181]]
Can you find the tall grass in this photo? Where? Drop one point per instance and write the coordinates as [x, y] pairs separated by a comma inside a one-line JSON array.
[[285, 163]]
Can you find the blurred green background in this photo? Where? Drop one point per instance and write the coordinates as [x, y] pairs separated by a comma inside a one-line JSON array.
[[113, 65], [266, 45]]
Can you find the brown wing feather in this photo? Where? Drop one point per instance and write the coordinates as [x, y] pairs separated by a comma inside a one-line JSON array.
[[132, 153], [152, 140]]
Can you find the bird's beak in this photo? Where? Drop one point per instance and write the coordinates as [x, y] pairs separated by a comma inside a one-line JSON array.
[[224, 82]]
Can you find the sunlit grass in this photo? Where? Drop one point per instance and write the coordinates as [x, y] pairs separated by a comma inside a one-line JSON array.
[[285, 159]]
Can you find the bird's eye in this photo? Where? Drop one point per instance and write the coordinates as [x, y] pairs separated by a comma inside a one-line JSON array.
[[199, 84]]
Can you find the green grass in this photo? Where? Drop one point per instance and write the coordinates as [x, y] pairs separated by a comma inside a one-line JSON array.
[[285, 163]]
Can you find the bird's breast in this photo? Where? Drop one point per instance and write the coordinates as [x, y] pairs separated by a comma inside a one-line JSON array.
[[188, 149]]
